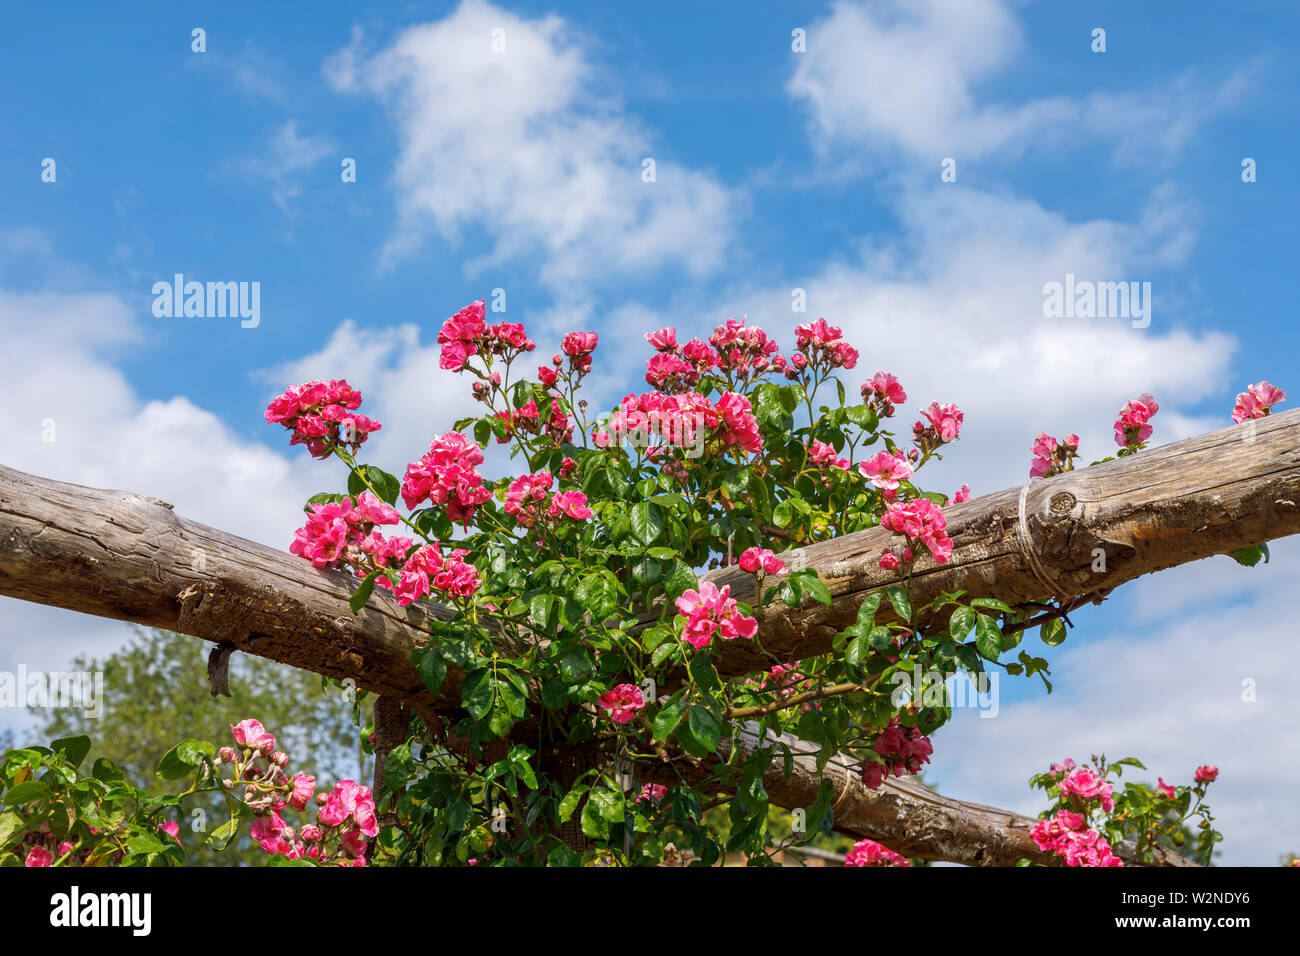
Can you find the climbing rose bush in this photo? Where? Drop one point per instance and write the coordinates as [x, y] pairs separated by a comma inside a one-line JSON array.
[[1089, 818], [584, 561], [578, 619]]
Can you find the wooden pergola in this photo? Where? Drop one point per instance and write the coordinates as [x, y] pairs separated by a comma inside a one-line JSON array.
[[130, 557]]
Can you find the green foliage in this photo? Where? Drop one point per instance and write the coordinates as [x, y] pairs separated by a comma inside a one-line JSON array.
[[158, 683]]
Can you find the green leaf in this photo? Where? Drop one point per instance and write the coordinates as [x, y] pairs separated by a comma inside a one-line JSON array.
[[432, 670], [11, 826], [961, 622], [594, 823], [563, 856], [73, 749], [988, 637], [1250, 556], [901, 601], [1052, 632], [882, 639], [222, 835], [181, 760], [857, 649], [27, 792], [662, 653], [705, 727], [554, 694], [544, 609], [867, 609], [813, 586], [669, 716], [570, 801], [477, 692], [783, 514], [680, 579], [608, 803], [385, 485], [575, 666], [647, 522], [363, 592]]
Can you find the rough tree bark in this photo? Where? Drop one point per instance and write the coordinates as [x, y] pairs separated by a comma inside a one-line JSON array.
[[130, 557]]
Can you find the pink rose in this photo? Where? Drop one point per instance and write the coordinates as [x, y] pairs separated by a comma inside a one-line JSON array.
[[622, 702]]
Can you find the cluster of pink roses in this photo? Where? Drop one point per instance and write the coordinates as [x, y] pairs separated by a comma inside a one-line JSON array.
[[527, 420], [903, 751], [447, 475], [944, 425], [579, 346], [622, 702], [527, 499], [1066, 836], [676, 419], [1087, 785], [321, 415], [871, 853], [824, 456], [920, 520], [1256, 401], [344, 533], [822, 345], [66, 853], [1133, 427], [754, 560], [652, 792], [709, 611], [467, 333], [1052, 457], [345, 819], [676, 368], [343, 822], [882, 392], [428, 569], [745, 350]]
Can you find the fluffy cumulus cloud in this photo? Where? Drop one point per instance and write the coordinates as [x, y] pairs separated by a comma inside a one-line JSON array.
[[900, 77], [953, 305], [74, 416], [501, 130]]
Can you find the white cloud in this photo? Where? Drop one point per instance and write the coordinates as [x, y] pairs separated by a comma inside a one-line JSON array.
[[953, 305], [287, 156], [518, 143], [904, 77], [59, 374]]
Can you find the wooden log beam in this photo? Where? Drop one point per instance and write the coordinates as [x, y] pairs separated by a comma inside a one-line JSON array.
[[906, 816], [1091, 530], [132, 558]]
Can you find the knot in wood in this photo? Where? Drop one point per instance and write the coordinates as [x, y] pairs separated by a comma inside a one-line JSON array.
[[1061, 504]]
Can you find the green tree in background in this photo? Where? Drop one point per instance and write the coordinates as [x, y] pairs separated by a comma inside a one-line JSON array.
[[156, 690]]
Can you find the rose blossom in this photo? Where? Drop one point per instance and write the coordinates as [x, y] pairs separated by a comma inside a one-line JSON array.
[[622, 702]]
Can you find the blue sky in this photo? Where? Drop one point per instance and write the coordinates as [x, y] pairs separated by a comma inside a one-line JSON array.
[[775, 170]]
